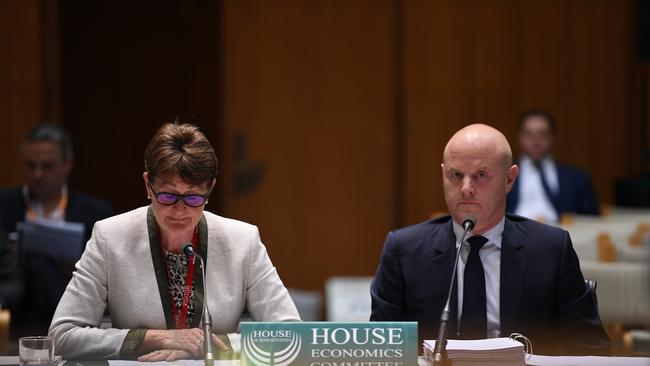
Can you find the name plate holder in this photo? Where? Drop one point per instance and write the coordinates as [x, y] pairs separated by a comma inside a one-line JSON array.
[[329, 344]]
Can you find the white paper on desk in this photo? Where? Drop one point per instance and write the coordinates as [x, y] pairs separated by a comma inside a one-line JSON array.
[[539, 360], [489, 344], [493, 351], [57, 239]]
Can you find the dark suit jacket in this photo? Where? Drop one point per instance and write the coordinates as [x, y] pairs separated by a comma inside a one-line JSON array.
[[543, 294], [576, 193], [43, 279]]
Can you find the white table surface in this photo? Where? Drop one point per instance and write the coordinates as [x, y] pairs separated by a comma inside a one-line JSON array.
[[533, 361], [536, 360]]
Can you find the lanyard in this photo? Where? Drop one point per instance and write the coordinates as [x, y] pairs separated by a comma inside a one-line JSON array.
[[181, 317]]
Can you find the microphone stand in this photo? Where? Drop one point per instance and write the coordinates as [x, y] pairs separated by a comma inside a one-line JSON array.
[[440, 353], [207, 318]]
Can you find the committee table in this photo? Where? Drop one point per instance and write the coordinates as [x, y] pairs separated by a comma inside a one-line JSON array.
[[534, 360]]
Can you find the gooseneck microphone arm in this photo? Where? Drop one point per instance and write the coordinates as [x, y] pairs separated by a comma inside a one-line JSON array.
[[440, 352], [188, 249]]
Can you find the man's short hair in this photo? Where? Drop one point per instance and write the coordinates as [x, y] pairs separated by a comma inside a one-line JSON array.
[[47, 132], [550, 120]]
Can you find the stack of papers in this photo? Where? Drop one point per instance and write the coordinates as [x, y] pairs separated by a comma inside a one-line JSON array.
[[493, 351]]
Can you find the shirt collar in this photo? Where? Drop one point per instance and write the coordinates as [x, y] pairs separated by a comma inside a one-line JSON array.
[[546, 162], [494, 235], [64, 191], [34, 209]]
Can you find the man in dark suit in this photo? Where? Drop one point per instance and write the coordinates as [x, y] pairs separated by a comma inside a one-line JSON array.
[[547, 189], [514, 274], [33, 288], [11, 288]]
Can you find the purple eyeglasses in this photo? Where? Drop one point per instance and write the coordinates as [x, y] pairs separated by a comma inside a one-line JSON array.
[[169, 199]]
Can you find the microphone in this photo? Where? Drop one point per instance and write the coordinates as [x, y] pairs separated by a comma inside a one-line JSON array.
[[440, 353], [188, 249], [469, 221]]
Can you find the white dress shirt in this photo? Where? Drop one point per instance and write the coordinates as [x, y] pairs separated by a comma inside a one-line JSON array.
[[38, 210], [490, 255], [533, 201]]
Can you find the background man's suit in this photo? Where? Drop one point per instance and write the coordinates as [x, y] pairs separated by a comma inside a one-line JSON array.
[[576, 193], [543, 294], [44, 278]]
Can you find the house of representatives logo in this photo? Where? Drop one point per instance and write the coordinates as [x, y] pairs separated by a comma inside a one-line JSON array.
[[329, 344], [272, 347]]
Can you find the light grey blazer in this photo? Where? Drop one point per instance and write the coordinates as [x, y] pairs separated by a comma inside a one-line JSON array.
[[117, 270]]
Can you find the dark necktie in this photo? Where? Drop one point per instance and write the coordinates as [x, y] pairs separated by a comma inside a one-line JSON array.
[[474, 317], [552, 197]]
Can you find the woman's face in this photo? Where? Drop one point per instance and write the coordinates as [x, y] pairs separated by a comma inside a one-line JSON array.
[[178, 217]]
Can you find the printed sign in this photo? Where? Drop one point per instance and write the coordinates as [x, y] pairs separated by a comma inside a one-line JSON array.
[[329, 344]]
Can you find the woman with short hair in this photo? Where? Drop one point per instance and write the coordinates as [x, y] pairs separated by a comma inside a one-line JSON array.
[[134, 265]]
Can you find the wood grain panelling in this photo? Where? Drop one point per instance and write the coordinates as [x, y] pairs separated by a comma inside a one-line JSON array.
[[640, 143], [470, 61], [21, 65], [125, 71], [309, 88], [329, 117]]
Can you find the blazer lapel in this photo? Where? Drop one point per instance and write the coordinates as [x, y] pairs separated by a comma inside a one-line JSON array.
[[442, 265], [564, 180], [513, 269], [198, 278], [161, 273], [159, 268]]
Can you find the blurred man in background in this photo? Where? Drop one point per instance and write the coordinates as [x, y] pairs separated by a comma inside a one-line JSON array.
[[32, 288], [547, 189], [11, 289]]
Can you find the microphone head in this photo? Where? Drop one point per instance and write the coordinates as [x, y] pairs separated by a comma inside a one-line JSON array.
[[188, 249], [469, 221]]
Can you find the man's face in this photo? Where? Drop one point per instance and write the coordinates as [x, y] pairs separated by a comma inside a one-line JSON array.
[[476, 182], [535, 137], [45, 169]]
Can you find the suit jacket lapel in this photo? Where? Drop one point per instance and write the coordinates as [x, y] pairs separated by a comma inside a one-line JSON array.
[[198, 279], [513, 269], [563, 180], [442, 265], [159, 268], [161, 272]]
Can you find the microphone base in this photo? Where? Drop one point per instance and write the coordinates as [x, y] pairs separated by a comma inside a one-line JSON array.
[[209, 362], [442, 361]]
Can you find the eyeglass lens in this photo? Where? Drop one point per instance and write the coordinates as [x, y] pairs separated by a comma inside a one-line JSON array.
[[190, 200]]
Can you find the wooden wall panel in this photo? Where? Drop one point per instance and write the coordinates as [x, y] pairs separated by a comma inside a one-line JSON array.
[[469, 61], [309, 86], [21, 83], [314, 99], [129, 70], [640, 143]]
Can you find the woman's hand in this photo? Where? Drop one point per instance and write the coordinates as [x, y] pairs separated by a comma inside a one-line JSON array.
[[166, 355], [188, 340], [219, 343], [174, 344], [216, 341]]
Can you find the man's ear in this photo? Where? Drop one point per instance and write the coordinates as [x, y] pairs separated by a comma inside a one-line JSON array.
[[511, 176]]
